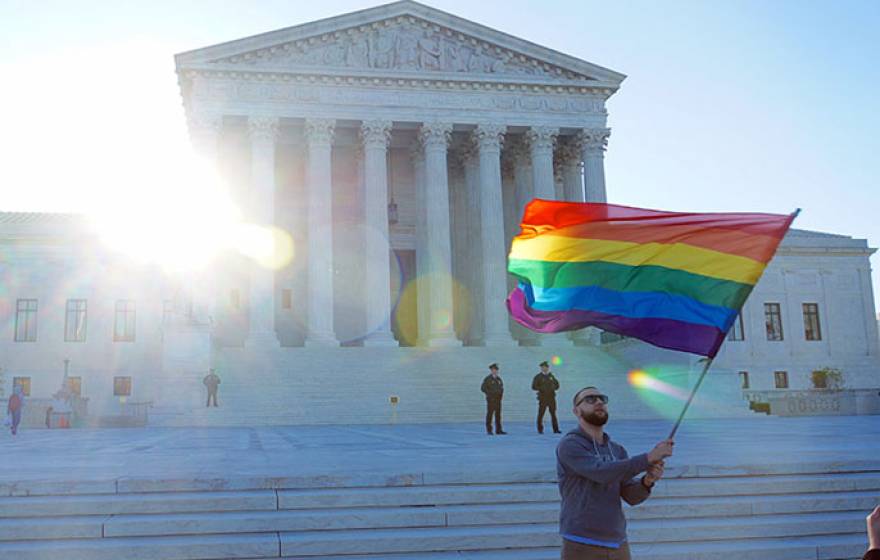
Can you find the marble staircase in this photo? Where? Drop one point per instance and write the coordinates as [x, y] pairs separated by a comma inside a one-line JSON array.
[[298, 386], [763, 515]]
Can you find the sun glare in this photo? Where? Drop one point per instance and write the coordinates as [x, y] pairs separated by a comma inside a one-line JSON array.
[[178, 218]]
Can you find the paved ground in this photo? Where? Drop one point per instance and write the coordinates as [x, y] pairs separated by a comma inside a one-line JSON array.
[[712, 446]]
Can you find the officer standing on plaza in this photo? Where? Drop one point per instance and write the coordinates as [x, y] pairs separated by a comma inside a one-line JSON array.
[[493, 387], [212, 382], [546, 385]]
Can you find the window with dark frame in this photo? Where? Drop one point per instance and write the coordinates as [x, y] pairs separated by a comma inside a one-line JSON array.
[[744, 380], [736, 332], [122, 386], [286, 299], [780, 379], [812, 330], [24, 383], [26, 320], [125, 320], [773, 321], [75, 318]]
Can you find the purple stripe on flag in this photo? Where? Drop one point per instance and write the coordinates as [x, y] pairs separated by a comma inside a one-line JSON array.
[[666, 333]]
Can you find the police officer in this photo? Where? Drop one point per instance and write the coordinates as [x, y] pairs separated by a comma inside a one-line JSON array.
[[212, 382], [493, 387], [546, 385]]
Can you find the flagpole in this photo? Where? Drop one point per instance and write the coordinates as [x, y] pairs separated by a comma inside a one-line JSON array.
[[690, 398]]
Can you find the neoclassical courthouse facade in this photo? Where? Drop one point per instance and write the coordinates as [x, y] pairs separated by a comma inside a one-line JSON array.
[[397, 147]]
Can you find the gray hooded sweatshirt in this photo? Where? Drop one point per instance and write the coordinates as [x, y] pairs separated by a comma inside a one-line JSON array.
[[593, 478]]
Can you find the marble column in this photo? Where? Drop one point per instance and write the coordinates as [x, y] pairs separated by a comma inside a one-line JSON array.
[[474, 247], [423, 288], [494, 263], [319, 138], [435, 138], [594, 142], [263, 132], [522, 178], [375, 136], [570, 154], [205, 131], [541, 140]]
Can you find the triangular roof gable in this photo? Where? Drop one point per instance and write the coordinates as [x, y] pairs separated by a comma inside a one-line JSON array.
[[337, 42]]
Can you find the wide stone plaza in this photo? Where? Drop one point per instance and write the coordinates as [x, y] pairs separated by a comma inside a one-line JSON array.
[[762, 488]]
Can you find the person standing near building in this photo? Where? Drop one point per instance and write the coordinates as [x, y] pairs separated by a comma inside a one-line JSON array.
[[493, 387], [546, 385], [212, 382], [595, 474], [14, 408]]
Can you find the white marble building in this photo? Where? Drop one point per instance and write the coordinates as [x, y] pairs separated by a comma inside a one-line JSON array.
[[397, 146]]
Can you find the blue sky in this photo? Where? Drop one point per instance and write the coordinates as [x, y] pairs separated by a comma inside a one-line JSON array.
[[728, 106]]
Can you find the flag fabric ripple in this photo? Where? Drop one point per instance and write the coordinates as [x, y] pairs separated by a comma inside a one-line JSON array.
[[673, 279]]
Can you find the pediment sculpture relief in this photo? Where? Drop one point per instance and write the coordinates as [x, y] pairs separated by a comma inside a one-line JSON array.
[[403, 47]]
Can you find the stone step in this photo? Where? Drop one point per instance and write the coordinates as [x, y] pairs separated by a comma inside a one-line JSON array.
[[641, 532], [272, 521], [418, 495], [669, 508], [113, 504], [822, 487], [830, 547], [768, 484], [264, 547], [703, 516], [202, 547], [385, 541], [750, 527]]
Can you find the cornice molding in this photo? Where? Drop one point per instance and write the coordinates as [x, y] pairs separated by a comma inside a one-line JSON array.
[[404, 81]]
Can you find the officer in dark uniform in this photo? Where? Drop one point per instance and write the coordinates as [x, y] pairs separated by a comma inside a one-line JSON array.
[[493, 387], [546, 385]]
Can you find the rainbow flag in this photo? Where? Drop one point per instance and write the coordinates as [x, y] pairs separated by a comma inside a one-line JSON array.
[[676, 280]]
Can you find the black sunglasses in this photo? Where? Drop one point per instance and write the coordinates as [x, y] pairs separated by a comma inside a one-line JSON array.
[[592, 399]]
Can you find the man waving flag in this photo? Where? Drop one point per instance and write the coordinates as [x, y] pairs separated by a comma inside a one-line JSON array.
[[672, 279]]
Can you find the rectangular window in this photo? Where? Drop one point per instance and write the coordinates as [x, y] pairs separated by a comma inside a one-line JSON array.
[[286, 299], [235, 300], [736, 332], [744, 380], [26, 320], [122, 386], [123, 326], [24, 383], [812, 331], [773, 321], [780, 379], [75, 321], [74, 385]]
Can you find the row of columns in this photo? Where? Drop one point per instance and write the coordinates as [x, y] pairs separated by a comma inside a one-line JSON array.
[[533, 176]]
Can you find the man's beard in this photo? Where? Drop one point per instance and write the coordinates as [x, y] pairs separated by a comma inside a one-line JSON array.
[[595, 418]]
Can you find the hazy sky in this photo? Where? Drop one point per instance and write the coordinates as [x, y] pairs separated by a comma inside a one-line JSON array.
[[728, 106]]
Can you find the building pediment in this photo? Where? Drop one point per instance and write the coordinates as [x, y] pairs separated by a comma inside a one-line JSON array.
[[402, 39]]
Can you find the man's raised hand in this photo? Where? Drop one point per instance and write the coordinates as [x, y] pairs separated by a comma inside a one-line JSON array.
[[661, 451]]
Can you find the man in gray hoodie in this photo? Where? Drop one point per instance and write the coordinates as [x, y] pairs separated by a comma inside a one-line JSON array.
[[594, 474]]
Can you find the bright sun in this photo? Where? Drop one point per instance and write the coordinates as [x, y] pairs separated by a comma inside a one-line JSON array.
[[119, 153], [185, 225], [180, 227]]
